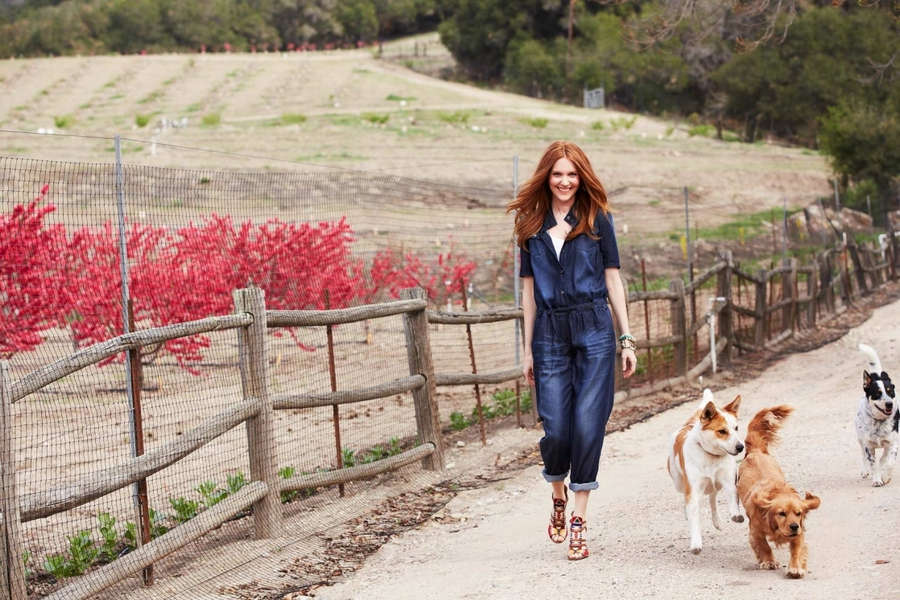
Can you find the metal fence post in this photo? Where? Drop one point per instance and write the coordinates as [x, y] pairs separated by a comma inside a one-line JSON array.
[[260, 429], [129, 376], [12, 571]]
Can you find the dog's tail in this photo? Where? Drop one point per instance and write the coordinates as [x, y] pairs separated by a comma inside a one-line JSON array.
[[763, 428], [872, 356]]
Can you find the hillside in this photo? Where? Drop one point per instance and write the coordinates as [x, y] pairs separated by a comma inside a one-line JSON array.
[[349, 109]]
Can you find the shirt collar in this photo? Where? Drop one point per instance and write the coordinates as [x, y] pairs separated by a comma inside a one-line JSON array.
[[550, 219]]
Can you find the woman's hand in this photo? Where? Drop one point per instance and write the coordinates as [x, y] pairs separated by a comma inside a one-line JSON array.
[[629, 362], [528, 369]]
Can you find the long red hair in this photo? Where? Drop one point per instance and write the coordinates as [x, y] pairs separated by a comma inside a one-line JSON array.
[[533, 201]]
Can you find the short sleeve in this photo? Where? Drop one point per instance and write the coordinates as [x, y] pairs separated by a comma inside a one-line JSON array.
[[608, 247], [525, 269]]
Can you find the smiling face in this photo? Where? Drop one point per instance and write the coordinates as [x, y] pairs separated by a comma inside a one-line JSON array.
[[563, 181], [880, 394]]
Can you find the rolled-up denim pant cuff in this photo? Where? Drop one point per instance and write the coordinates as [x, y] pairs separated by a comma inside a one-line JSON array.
[[583, 487], [549, 477]]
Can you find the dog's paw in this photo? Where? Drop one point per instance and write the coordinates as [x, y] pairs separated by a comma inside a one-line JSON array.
[[768, 565], [696, 549], [796, 573], [877, 482], [737, 518]]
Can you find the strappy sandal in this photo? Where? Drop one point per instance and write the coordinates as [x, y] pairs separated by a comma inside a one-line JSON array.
[[557, 528], [577, 547]]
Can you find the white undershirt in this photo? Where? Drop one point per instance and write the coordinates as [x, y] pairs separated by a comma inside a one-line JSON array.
[[557, 244]]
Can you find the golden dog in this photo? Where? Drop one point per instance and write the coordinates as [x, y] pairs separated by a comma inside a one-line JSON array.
[[775, 510]]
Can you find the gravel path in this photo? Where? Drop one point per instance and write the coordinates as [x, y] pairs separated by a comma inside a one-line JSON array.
[[491, 542]]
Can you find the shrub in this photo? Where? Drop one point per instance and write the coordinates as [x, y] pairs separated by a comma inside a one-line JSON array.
[[293, 118], [64, 121], [597, 125], [375, 118], [212, 120], [141, 120], [536, 122]]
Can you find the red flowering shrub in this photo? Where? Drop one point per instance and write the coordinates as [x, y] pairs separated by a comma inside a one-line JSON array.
[[442, 280], [30, 290]]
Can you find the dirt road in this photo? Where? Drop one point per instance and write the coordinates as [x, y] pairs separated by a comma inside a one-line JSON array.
[[491, 542]]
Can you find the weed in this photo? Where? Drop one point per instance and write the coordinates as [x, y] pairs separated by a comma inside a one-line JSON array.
[[130, 535], [212, 120], [193, 107], [701, 130], [235, 482], [63, 122], [57, 565], [82, 553], [157, 524], [394, 447], [597, 125], [536, 122], [375, 118], [458, 116], [396, 98], [654, 202], [293, 118], [458, 421], [185, 509], [26, 559], [110, 537], [211, 494], [141, 120], [84, 106], [623, 122], [670, 130], [348, 458], [204, 180], [154, 95]]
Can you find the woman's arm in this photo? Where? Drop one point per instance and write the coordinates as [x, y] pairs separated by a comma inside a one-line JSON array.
[[529, 307], [619, 304]]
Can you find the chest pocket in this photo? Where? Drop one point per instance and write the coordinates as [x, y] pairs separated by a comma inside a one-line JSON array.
[[588, 265]]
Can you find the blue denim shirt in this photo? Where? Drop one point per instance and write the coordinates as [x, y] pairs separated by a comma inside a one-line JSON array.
[[577, 276]]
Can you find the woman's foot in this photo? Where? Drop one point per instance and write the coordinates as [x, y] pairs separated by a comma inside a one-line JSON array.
[[557, 528], [577, 547]]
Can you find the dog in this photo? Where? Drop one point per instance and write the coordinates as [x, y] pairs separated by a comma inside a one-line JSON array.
[[702, 462], [877, 421], [775, 510]]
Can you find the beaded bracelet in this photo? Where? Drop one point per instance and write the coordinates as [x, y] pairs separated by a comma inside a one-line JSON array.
[[626, 341]]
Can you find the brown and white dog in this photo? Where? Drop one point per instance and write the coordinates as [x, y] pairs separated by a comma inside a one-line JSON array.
[[702, 462], [776, 511]]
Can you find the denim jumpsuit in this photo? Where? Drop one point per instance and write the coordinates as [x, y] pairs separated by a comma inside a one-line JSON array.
[[574, 347]]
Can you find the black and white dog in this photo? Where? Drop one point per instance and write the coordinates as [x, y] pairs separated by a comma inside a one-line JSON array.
[[877, 421]]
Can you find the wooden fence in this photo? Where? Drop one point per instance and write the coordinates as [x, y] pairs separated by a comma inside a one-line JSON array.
[[832, 280], [255, 409]]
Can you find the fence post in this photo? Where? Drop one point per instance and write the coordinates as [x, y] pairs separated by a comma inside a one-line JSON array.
[[12, 571], [857, 269], [846, 287], [759, 327], [892, 247], [726, 318], [812, 291], [679, 328], [260, 429], [418, 351], [827, 280], [788, 292]]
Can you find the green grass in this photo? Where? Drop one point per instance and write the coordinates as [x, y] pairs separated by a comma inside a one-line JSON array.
[[701, 130], [742, 228], [597, 125], [375, 118], [154, 95], [458, 116], [64, 121], [212, 120], [330, 157], [141, 120], [292, 118], [193, 107], [536, 122], [396, 98]]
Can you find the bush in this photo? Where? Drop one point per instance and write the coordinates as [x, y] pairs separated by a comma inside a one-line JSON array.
[[141, 120], [293, 118], [64, 121], [212, 120]]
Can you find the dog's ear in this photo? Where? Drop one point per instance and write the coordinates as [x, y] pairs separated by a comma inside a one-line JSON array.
[[732, 407], [867, 379], [811, 502], [709, 411]]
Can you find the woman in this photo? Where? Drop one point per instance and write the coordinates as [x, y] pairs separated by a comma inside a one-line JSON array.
[[569, 270]]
